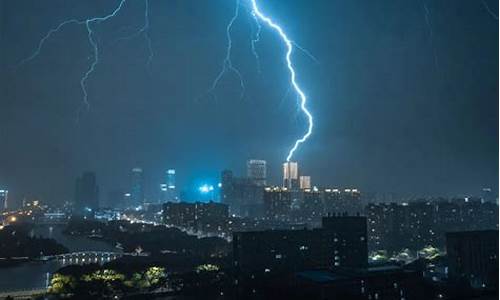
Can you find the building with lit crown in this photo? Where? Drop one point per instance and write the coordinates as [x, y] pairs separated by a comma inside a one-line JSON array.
[[290, 175]]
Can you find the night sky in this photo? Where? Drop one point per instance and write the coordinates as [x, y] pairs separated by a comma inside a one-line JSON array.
[[405, 99]]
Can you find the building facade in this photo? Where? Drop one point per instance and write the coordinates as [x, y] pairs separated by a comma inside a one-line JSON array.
[[137, 188], [257, 171], [473, 255], [243, 195], [4, 199], [304, 182], [414, 225], [278, 204], [341, 242], [86, 194], [195, 216], [291, 175]]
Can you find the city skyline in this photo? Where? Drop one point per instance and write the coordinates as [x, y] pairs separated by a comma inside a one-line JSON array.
[[156, 189], [412, 101], [249, 149]]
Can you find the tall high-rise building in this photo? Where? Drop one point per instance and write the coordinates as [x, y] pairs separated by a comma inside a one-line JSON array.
[[137, 190], [277, 203], [473, 256], [243, 195], [226, 189], [86, 193], [305, 182], [4, 199], [257, 171], [167, 188], [171, 189], [488, 195], [339, 244], [290, 175], [163, 193]]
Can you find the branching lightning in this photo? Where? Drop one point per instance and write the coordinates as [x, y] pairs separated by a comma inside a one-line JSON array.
[[227, 64], [431, 35], [255, 40], [89, 27], [95, 49], [488, 9], [46, 37], [144, 30], [303, 99]]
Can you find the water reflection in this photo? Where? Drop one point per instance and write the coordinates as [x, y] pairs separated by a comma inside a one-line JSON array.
[[33, 275]]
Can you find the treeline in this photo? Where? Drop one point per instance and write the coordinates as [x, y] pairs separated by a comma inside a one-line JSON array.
[[15, 241], [150, 238], [94, 281]]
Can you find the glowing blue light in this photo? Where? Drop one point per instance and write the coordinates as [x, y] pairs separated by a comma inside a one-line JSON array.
[[206, 188], [303, 99]]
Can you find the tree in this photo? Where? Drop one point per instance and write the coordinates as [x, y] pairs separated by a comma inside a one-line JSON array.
[[152, 278], [62, 284], [103, 283], [155, 277]]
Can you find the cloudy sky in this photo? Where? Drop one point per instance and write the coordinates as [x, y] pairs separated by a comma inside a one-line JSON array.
[[404, 94]]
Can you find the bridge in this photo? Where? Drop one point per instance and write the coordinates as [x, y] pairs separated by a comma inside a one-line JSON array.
[[24, 294], [85, 257]]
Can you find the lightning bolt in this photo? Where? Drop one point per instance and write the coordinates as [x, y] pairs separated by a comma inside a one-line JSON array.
[[303, 99], [227, 64], [144, 30], [46, 37], [255, 40], [89, 24], [488, 9], [431, 34]]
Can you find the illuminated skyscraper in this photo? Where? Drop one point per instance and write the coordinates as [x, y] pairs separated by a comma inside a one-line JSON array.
[[4, 197], [290, 175], [169, 186], [257, 171], [305, 182], [137, 190]]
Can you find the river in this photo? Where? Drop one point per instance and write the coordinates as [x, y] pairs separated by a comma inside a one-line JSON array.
[[34, 275]]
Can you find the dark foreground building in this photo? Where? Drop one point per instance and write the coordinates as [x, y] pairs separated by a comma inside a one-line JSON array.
[[341, 242], [388, 283], [473, 256]]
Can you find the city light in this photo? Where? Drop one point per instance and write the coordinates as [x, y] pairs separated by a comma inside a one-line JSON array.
[[206, 188]]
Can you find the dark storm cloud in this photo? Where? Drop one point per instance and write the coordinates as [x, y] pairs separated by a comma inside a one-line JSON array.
[[388, 118]]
